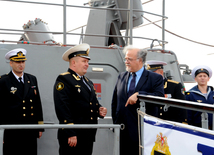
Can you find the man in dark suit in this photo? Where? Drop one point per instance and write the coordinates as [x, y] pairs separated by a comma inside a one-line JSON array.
[[76, 103], [137, 80], [20, 104], [172, 89]]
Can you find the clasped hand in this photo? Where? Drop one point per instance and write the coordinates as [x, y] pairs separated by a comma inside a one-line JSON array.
[[103, 111]]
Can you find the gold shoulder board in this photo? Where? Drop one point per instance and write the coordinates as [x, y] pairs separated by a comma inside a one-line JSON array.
[[65, 73], [76, 77], [173, 81]]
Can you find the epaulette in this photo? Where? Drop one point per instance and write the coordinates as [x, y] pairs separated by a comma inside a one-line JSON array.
[[187, 93], [173, 81], [3, 76], [65, 73]]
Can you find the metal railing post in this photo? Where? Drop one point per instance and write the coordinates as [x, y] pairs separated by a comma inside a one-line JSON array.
[[116, 141], [142, 106], [213, 121], [81, 36], [1, 140], [64, 22], [204, 120], [143, 109], [130, 22], [163, 25]]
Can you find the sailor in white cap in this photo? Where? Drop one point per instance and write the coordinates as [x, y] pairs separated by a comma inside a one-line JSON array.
[[201, 69], [20, 104], [201, 93], [172, 89], [76, 103]]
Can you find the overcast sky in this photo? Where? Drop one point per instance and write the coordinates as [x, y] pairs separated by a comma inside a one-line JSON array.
[[190, 19]]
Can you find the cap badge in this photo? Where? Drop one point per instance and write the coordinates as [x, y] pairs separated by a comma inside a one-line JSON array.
[[148, 67], [202, 69], [20, 54], [87, 52]]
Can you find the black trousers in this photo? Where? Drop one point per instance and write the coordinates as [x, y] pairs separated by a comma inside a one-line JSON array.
[[127, 145], [84, 145], [21, 142]]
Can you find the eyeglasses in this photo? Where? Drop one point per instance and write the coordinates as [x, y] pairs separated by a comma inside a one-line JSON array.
[[129, 59]]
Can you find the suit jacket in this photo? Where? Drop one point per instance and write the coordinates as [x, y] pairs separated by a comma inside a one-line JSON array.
[[173, 89], [149, 84], [76, 104], [18, 106]]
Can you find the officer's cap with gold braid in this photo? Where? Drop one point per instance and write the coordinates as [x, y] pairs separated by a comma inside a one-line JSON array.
[[153, 65], [18, 54], [81, 50], [201, 69]]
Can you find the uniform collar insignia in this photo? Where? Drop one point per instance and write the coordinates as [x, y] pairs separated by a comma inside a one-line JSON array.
[[86, 78], [76, 77], [77, 86], [199, 101]]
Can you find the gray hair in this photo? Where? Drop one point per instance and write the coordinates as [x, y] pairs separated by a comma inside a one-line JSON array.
[[141, 54]]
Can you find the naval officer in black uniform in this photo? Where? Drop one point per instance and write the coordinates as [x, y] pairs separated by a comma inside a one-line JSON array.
[[76, 103], [172, 89], [20, 104]]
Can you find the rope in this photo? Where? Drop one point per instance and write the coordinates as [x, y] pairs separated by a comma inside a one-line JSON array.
[[147, 2], [139, 135], [179, 35]]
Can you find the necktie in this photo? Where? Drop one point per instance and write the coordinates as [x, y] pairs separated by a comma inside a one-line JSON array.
[[132, 85], [20, 80], [21, 86], [85, 85]]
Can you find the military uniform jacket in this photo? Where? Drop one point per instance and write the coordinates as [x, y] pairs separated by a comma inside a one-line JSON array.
[[173, 89], [18, 106], [195, 95], [76, 104]]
